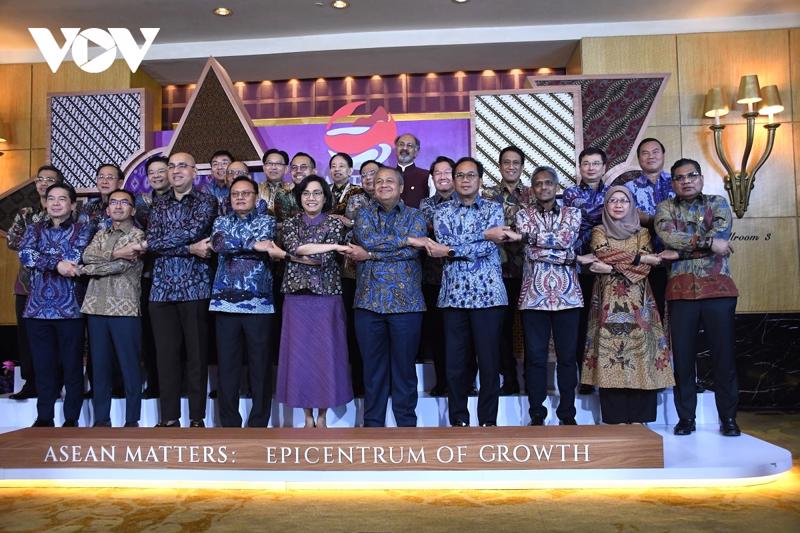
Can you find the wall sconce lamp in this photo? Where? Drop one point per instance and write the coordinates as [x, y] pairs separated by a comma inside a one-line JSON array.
[[740, 183]]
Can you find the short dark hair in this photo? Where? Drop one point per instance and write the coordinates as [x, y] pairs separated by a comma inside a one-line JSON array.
[[243, 177], [369, 162], [684, 161], [346, 157], [73, 196], [442, 159], [155, 159], [547, 170], [281, 153], [416, 139], [593, 150], [514, 149], [51, 168], [477, 163], [219, 153], [126, 192], [649, 140], [120, 175], [303, 185], [303, 154]]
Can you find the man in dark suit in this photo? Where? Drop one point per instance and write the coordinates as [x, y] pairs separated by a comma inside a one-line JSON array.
[[406, 147]]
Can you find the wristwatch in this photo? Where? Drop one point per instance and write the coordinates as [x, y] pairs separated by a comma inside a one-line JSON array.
[[451, 253]]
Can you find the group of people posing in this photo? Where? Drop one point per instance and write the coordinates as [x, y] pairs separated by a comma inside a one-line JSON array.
[[339, 281]]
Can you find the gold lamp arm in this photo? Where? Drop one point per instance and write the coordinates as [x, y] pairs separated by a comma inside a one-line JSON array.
[[751, 177]]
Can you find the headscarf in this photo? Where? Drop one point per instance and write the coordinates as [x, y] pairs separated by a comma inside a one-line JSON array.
[[621, 229]]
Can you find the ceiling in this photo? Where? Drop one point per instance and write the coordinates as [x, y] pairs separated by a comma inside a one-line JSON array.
[[281, 39]]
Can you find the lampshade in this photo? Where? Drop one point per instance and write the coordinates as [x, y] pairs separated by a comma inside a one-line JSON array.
[[715, 104], [748, 90], [770, 100]]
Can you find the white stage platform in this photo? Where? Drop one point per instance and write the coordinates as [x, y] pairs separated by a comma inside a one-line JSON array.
[[431, 411], [704, 459]]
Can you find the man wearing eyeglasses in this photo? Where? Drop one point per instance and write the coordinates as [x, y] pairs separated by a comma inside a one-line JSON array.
[[242, 299], [218, 186], [588, 196], [696, 229], [109, 178], [234, 170], [27, 216], [112, 305], [406, 148], [179, 237], [300, 166], [473, 297], [275, 162]]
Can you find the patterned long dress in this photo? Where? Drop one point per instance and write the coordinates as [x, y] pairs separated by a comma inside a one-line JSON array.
[[625, 345]]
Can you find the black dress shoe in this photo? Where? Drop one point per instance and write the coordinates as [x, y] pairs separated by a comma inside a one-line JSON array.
[[131, 424], [460, 424], [70, 424], [170, 424], [472, 391], [567, 422], [197, 424], [213, 394], [101, 425], [586, 389], [43, 424], [729, 428], [509, 388], [537, 420], [438, 391], [488, 425], [685, 426], [118, 393], [24, 393]]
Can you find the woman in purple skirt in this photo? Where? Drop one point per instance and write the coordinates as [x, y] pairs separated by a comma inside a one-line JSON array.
[[312, 367]]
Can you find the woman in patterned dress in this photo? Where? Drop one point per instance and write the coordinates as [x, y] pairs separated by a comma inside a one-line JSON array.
[[312, 366], [627, 354]]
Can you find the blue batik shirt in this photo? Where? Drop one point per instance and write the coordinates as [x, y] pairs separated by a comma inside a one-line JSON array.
[[222, 195], [648, 195], [391, 281], [590, 202], [473, 278], [53, 296], [179, 276], [243, 283]]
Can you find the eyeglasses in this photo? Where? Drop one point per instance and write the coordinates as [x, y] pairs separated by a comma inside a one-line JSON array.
[[443, 173], [274, 164], [690, 177], [369, 174], [466, 176], [407, 145], [618, 201], [158, 172], [218, 164], [107, 177], [591, 163], [301, 168], [123, 203], [309, 194], [181, 166], [242, 194], [235, 172], [45, 179], [542, 183]]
